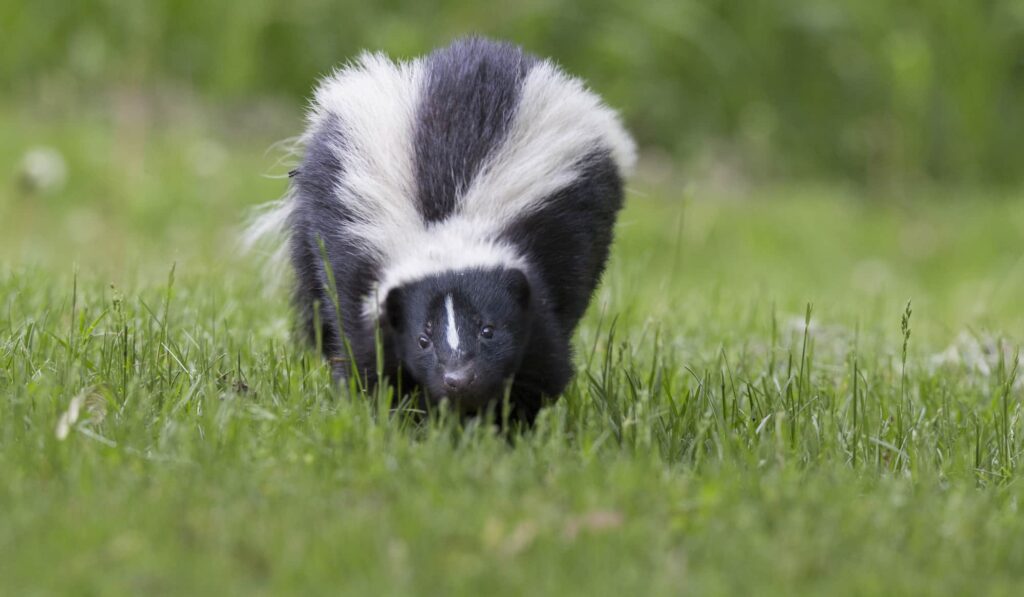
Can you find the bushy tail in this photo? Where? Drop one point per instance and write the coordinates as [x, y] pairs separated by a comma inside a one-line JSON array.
[[266, 237], [265, 234]]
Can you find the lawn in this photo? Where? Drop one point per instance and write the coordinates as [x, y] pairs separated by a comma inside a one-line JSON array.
[[757, 409]]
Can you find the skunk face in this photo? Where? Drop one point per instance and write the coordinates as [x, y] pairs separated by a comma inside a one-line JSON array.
[[461, 335]]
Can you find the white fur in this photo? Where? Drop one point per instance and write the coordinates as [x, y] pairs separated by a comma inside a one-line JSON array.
[[452, 331], [557, 122], [266, 220], [374, 101], [375, 104], [452, 245], [267, 223]]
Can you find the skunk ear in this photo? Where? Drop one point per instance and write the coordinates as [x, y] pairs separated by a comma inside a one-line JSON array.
[[518, 286], [393, 309]]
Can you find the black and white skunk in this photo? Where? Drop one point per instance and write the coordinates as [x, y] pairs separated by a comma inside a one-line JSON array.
[[465, 203]]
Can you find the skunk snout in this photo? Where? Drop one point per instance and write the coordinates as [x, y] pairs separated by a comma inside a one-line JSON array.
[[459, 380]]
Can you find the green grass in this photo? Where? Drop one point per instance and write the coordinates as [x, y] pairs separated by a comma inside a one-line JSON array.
[[716, 439]]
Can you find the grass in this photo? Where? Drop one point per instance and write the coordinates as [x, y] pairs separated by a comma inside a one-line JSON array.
[[758, 408]]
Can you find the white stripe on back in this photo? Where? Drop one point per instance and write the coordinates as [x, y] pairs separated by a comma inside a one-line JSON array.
[[374, 102]]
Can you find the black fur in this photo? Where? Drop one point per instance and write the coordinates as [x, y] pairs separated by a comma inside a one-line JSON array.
[[568, 241], [317, 225], [470, 97]]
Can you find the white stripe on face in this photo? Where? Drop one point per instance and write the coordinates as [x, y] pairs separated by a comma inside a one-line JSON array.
[[453, 332]]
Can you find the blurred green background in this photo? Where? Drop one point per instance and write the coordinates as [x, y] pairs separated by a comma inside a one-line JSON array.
[[865, 92]]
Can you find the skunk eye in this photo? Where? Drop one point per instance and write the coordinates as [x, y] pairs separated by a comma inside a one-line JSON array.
[[487, 332], [424, 341]]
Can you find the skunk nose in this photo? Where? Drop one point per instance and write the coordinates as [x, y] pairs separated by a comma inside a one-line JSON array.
[[458, 380]]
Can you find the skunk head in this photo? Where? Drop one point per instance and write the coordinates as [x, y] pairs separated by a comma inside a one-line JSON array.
[[461, 334]]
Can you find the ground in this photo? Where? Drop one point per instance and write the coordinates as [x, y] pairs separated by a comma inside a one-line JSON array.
[[757, 408]]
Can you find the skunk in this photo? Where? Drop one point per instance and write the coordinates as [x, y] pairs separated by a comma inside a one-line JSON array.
[[462, 205]]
